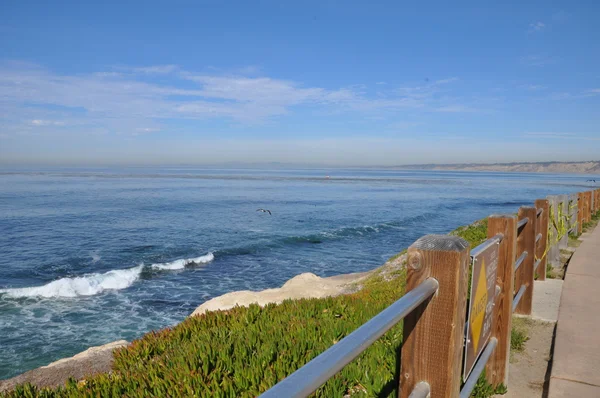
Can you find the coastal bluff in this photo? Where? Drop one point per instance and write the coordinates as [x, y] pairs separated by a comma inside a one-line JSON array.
[[306, 285], [92, 361], [99, 359]]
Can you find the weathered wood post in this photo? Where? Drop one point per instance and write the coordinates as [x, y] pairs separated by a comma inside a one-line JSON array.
[[580, 211], [524, 274], [542, 242], [553, 255], [589, 206], [434, 332], [574, 208], [564, 221], [497, 366], [584, 218]]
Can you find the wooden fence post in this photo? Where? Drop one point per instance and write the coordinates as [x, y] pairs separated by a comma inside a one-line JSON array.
[[589, 206], [585, 208], [497, 366], [580, 206], [541, 245], [434, 332], [564, 240], [553, 255], [526, 243], [574, 209]]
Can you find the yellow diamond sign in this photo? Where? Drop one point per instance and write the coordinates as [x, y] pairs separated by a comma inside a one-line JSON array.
[[484, 267], [479, 305]]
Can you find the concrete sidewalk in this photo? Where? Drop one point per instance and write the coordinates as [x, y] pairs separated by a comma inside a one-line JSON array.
[[576, 361]]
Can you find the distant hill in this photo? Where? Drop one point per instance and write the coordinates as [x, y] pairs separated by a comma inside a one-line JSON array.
[[591, 167]]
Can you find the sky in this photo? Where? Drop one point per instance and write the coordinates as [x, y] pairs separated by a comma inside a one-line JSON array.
[[338, 83]]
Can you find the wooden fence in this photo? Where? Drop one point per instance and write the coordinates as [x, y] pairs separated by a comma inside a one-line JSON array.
[[451, 334], [528, 242]]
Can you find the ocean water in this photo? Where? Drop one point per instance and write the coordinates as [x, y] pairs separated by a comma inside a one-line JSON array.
[[92, 256]]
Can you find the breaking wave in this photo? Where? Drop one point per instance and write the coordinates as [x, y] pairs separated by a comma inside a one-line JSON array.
[[92, 284], [87, 285], [182, 263]]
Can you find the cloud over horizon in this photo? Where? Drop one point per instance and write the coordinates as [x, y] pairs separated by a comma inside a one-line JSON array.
[[127, 99]]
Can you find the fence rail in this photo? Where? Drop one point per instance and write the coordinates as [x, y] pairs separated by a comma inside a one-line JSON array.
[[517, 251]]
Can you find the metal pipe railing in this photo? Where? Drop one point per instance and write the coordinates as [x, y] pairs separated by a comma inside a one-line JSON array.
[[478, 369], [421, 390], [518, 296], [540, 211], [314, 374], [522, 223], [536, 264], [520, 260], [483, 246], [538, 237]]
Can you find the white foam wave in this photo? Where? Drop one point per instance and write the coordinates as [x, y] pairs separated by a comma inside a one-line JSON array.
[[180, 264], [87, 285]]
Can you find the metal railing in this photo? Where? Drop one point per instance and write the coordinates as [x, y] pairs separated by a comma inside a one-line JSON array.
[[483, 246], [478, 369], [518, 296], [520, 260], [315, 373], [538, 237], [528, 239]]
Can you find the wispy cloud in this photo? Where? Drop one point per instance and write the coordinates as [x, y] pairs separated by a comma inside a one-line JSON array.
[[136, 100], [40, 122], [536, 60], [156, 69], [534, 87], [549, 134], [455, 109], [445, 81], [558, 96], [147, 129], [562, 136], [537, 26]]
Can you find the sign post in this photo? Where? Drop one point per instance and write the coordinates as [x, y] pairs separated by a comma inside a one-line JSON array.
[[484, 267]]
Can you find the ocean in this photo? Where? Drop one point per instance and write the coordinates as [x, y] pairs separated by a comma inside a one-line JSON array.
[[89, 256]]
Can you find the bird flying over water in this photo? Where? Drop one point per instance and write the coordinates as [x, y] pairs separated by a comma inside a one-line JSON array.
[[591, 181], [265, 211]]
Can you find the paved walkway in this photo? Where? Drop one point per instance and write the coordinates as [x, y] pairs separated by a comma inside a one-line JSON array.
[[576, 361]]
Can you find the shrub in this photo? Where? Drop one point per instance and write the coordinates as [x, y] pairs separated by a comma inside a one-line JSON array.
[[246, 350]]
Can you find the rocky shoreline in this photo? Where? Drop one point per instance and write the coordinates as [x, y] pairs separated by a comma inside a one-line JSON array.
[[99, 359]]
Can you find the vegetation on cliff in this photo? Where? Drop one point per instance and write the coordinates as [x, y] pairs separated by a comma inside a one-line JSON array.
[[246, 350]]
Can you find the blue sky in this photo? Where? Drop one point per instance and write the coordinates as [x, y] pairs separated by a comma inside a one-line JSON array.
[[336, 83]]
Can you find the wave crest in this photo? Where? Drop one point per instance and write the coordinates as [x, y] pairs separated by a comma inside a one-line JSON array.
[[182, 263], [87, 285]]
